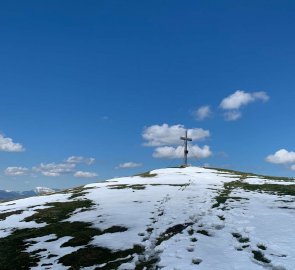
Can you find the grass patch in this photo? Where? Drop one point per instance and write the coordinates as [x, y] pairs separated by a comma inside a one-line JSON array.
[[146, 174], [58, 211], [245, 175], [224, 195], [92, 255], [170, 232], [125, 186], [269, 188], [204, 232], [12, 247], [5, 215], [115, 229], [259, 256], [13, 256]]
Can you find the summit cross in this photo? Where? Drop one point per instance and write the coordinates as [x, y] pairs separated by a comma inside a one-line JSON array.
[[185, 139]]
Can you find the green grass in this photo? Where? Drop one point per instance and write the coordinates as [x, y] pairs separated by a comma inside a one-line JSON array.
[[222, 197], [204, 232], [245, 174], [269, 188], [171, 231], [228, 187], [146, 174], [12, 254], [58, 211], [5, 215], [92, 255], [125, 186]]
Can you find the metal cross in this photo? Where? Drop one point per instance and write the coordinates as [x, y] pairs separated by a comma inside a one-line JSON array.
[[185, 139]]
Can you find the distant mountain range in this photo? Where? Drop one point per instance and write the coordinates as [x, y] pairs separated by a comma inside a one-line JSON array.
[[12, 195]]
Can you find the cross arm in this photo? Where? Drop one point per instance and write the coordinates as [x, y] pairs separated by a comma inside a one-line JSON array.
[[186, 139]]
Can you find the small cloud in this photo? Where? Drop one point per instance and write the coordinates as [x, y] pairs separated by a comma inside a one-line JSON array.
[[128, 165], [234, 102], [16, 171], [54, 169], [7, 145], [105, 118], [232, 115], [170, 152], [79, 159], [159, 135], [203, 113], [282, 156], [81, 174], [241, 98], [260, 96]]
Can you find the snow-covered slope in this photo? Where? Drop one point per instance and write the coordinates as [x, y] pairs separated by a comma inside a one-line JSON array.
[[176, 218]]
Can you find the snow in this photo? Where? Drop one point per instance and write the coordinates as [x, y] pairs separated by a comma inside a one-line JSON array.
[[261, 181], [52, 247], [43, 190], [177, 196], [29, 207]]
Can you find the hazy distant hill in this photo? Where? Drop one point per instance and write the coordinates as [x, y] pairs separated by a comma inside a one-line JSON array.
[[176, 218], [12, 195]]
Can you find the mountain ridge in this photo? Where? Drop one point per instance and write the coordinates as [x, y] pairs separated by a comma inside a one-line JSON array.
[[173, 218]]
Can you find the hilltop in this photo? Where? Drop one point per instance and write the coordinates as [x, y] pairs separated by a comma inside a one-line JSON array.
[[173, 218]]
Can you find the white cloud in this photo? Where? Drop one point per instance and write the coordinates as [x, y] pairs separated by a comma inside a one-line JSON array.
[[241, 98], [79, 159], [53, 169], [260, 96], [82, 174], [16, 171], [203, 112], [232, 115], [282, 156], [128, 165], [7, 145], [177, 152], [159, 135], [238, 99]]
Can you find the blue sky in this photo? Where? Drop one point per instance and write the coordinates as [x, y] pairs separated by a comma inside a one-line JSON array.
[[89, 78]]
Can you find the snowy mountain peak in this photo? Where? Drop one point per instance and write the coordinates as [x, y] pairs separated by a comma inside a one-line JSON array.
[[43, 190], [173, 218]]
